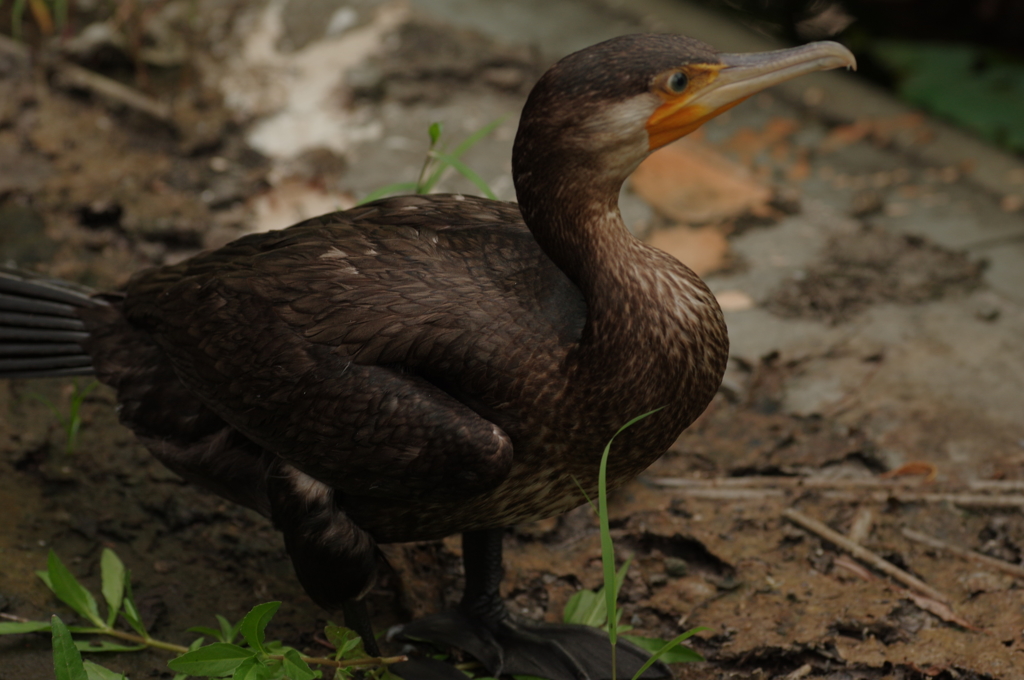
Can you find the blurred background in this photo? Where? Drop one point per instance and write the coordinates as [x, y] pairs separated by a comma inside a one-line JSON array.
[[961, 60]]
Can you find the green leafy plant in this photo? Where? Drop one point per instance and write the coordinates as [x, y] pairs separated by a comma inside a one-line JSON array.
[[253, 658], [71, 423], [592, 608], [256, 658], [437, 161]]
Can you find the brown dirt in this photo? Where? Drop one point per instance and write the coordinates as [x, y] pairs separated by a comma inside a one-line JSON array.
[[780, 602]]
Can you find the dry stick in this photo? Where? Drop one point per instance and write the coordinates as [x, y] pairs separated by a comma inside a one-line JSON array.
[[72, 75], [965, 500], [863, 554], [769, 482], [1002, 565]]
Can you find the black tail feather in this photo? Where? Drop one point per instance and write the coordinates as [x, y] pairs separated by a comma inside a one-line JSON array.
[[40, 328]]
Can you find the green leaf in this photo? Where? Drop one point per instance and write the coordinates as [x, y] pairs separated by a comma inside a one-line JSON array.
[[13, 627], [255, 623], [128, 608], [220, 658], [67, 661], [66, 587], [209, 632], [98, 672], [346, 641], [227, 630], [295, 668], [253, 669], [196, 644], [112, 572], [105, 646]]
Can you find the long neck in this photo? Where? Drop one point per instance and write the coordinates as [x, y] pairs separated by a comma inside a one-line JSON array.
[[639, 299]]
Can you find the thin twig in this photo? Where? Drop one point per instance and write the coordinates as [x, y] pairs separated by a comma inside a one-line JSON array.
[[735, 494], [999, 485], [68, 74], [965, 500], [773, 482], [863, 554], [171, 647], [12, 617], [1002, 565]]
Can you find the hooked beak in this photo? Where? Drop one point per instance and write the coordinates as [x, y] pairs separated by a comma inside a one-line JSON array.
[[715, 88]]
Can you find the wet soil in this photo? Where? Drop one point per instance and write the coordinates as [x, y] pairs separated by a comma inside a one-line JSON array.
[[93, 192]]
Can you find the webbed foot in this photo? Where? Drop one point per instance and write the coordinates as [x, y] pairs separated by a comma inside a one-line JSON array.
[[552, 651]]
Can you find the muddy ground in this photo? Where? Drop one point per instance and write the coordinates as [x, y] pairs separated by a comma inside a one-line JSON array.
[[92, 189]]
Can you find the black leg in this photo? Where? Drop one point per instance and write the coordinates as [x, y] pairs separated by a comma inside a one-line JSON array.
[[483, 627], [481, 557], [358, 619]]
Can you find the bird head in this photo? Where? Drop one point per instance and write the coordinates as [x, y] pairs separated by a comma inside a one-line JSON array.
[[603, 109]]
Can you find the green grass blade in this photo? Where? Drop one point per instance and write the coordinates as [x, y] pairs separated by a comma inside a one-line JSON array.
[[582, 491], [112, 574], [17, 16], [668, 647], [255, 623], [66, 587], [50, 405], [472, 140], [466, 172], [607, 548], [67, 660], [586, 608], [61, 15], [397, 188], [462, 148], [16, 627]]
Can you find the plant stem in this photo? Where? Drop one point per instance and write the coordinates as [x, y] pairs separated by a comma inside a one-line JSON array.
[[171, 647]]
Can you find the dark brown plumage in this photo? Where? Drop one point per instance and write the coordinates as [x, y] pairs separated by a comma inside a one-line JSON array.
[[426, 365]]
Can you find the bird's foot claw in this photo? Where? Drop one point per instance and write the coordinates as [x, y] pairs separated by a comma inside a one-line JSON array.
[[552, 651]]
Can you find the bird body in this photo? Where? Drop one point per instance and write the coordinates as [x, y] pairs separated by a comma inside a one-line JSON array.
[[426, 365], [423, 356]]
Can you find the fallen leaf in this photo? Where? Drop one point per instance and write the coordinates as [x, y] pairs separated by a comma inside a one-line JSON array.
[[692, 183], [734, 300], [704, 249], [916, 467]]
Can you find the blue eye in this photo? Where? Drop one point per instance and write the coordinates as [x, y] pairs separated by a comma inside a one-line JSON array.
[[678, 82]]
